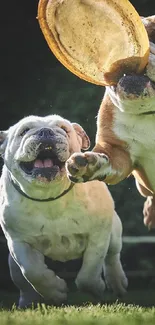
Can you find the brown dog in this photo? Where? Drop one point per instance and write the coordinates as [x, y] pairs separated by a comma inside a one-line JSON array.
[[125, 139]]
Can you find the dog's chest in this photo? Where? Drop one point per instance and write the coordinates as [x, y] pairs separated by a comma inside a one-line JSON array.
[[139, 134], [137, 131], [61, 239], [59, 234]]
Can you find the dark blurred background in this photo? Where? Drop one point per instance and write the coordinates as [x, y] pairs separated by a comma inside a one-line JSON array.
[[33, 81]]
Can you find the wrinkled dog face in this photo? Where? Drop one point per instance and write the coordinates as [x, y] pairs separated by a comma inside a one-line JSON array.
[[36, 148]]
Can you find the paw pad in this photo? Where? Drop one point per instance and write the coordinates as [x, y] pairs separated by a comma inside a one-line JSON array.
[[81, 161]]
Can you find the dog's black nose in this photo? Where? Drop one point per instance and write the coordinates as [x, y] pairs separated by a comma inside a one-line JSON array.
[[45, 133], [133, 84]]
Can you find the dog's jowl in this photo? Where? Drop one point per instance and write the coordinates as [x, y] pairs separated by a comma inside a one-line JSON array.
[[44, 214]]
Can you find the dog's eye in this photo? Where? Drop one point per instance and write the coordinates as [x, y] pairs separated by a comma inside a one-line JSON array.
[[64, 128], [24, 132]]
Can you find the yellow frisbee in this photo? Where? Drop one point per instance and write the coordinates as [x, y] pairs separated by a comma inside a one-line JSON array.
[[97, 40]]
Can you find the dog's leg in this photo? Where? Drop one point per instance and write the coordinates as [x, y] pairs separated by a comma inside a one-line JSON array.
[[143, 190], [112, 165], [149, 206], [149, 212], [114, 275], [28, 296], [89, 278], [43, 280]]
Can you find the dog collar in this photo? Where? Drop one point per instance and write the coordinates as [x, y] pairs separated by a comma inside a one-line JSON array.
[[148, 113], [43, 200]]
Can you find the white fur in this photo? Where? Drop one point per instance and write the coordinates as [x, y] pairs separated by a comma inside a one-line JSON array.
[[130, 104], [140, 139], [81, 223]]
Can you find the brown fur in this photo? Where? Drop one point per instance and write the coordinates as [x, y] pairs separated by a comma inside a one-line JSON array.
[[109, 144]]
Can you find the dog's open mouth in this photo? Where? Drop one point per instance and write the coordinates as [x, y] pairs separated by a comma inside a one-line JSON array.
[[46, 165]]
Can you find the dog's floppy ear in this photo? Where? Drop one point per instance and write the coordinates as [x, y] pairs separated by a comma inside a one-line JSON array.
[[85, 139], [149, 23], [3, 141]]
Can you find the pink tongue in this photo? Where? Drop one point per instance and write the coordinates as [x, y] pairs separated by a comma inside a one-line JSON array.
[[41, 164], [48, 163]]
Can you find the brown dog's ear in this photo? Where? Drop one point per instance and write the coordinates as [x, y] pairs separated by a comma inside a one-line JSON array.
[[85, 139], [3, 141], [149, 23]]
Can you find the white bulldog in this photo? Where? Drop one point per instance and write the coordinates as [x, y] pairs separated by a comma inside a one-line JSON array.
[[43, 214]]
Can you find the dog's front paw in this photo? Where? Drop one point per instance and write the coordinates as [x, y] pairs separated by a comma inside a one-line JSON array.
[[83, 167], [116, 279], [55, 290], [58, 291], [53, 293], [96, 287]]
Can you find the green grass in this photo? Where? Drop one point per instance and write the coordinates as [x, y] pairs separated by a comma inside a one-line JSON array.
[[115, 314]]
